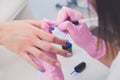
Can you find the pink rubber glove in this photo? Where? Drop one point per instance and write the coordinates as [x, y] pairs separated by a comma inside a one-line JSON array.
[[51, 72], [80, 33]]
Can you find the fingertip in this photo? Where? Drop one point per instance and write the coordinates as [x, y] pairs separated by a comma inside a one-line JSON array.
[[67, 43], [52, 28], [58, 64], [64, 26], [41, 70], [69, 55], [61, 16], [45, 27]]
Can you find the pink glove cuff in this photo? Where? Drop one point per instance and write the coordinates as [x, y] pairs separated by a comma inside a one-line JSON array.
[[92, 48]]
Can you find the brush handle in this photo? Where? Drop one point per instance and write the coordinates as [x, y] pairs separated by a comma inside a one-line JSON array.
[[77, 22]]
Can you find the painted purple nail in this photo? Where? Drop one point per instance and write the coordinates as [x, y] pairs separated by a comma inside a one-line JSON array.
[[40, 70], [67, 43], [51, 27]]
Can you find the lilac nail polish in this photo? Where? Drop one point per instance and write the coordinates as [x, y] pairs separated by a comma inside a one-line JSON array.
[[40, 70], [67, 43], [51, 27]]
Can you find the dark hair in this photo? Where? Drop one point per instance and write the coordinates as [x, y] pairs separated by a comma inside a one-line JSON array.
[[108, 12]]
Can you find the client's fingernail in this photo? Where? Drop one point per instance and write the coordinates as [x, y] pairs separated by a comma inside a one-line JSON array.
[[40, 70], [58, 64], [52, 27], [67, 43], [69, 55]]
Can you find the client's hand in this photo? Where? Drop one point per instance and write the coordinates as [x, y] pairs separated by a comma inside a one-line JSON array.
[[26, 37]]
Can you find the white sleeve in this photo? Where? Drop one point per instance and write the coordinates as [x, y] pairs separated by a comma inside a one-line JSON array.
[[115, 69]]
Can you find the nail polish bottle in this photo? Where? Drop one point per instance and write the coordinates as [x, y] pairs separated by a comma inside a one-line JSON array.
[[79, 68]]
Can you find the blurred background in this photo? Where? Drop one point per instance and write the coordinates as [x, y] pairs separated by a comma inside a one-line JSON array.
[[49, 8]]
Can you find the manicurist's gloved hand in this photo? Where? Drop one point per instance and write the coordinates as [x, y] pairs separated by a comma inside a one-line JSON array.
[[51, 72], [79, 33]]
